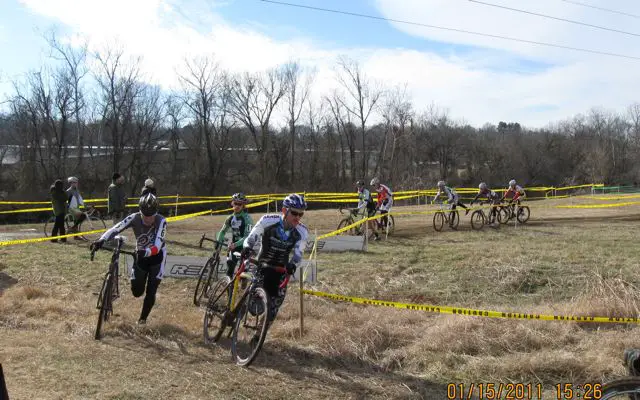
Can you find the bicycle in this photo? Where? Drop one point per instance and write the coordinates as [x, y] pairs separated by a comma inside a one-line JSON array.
[[93, 221], [351, 218], [479, 218], [359, 230], [451, 217], [621, 388], [390, 227], [110, 289], [246, 305], [210, 272], [509, 211]]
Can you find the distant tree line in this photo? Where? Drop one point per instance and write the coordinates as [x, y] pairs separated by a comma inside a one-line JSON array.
[[93, 113]]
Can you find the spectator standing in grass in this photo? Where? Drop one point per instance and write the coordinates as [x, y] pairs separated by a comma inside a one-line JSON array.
[[117, 198], [59, 204]]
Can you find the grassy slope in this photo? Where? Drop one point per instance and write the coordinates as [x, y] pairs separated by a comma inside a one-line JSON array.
[[563, 261]]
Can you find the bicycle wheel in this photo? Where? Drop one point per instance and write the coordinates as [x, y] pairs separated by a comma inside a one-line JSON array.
[[477, 220], [391, 225], [217, 310], [523, 214], [454, 219], [346, 222], [438, 220], [208, 274], [48, 226], [250, 328], [623, 388], [105, 306], [503, 215], [92, 223]]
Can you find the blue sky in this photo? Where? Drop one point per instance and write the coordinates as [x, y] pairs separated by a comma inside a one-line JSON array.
[[472, 78]]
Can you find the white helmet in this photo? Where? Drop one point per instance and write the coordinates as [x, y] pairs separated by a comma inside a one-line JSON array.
[[72, 179], [374, 182], [482, 186], [441, 184], [148, 183], [512, 182]]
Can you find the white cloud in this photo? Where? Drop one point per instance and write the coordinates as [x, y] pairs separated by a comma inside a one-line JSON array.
[[479, 86]]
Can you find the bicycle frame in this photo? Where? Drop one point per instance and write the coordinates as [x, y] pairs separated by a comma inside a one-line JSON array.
[[446, 212], [243, 274], [110, 287], [209, 272]]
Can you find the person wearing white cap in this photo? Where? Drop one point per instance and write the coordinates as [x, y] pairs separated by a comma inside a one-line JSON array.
[[149, 187]]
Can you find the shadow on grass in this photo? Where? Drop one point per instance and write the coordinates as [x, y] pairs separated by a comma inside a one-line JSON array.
[[6, 280], [354, 377], [344, 371]]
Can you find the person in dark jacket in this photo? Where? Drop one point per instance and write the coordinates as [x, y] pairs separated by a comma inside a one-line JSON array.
[[117, 198], [59, 204], [149, 187]]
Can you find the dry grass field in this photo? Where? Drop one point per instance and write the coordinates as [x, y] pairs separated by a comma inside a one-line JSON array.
[[563, 261]]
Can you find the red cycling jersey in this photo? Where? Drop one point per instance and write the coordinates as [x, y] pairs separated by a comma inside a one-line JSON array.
[[383, 193], [514, 193]]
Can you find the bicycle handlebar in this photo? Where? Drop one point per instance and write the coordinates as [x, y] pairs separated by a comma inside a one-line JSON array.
[[112, 249], [204, 237]]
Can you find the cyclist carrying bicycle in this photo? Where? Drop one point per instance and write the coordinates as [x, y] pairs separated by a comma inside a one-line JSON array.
[[149, 228], [281, 234], [384, 201], [490, 196], [365, 202], [240, 223], [452, 196]]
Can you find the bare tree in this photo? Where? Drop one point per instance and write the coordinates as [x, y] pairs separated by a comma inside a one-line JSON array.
[[202, 81], [346, 132], [74, 70], [119, 85], [396, 112], [253, 101], [146, 131], [361, 100], [298, 85]]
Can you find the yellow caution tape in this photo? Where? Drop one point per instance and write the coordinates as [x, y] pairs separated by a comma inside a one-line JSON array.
[[186, 203], [470, 311], [634, 196], [26, 210], [629, 203], [24, 202], [187, 216], [45, 239]]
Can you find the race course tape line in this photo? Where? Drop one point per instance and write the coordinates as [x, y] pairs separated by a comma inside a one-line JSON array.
[[469, 311], [169, 219]]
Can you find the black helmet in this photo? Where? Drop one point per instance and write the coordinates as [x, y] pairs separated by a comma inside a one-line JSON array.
[[148, 205], [360, 184]]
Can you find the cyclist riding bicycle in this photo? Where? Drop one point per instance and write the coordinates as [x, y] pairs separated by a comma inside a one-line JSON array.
[[489, 195], [281, 234], [149, 228], [452, 196], [514, 192], [75, 202], [365, 202], [384, 201], [240, 223]]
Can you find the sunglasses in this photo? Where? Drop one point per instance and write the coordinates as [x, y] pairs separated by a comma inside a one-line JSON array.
[[296, 213]]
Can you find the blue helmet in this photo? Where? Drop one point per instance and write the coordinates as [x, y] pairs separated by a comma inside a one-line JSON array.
[[294, 201]]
